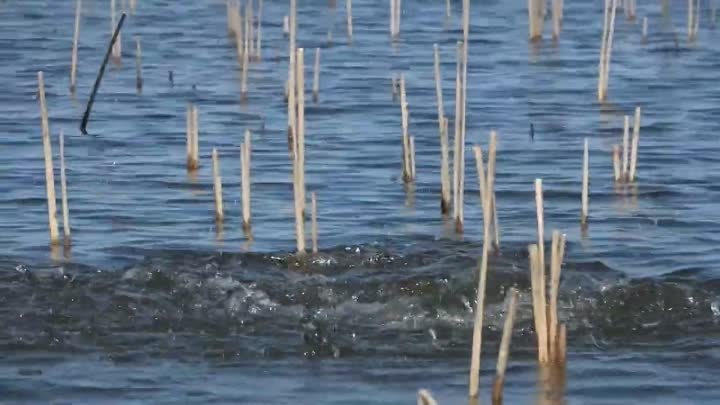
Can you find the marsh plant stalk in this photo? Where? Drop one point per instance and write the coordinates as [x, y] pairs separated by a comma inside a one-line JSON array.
[[138, 65], [348, 13], [76, 38], [217, 187], [245, 152], [63, 190], [634, 146], [406, 160], [504, 351], [316, 76], [314, 229], [585, 184], [616, 163], [482, 279], [47, 153], [625, 148]]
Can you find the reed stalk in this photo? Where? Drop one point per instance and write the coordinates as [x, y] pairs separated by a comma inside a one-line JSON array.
[[457, 168], [690, 20], [314, 229], [634, 146], [230, 18], [555, 268], [292, 124], [300, 81], [626, 148], [603, 52], [245, 61], [562, 345], [189, 137], [696, 27], [412, 158], [250, 21], [538, 297], [348, 13], [217, 187], [237, 21], [286, 26], [539, 207], [117, 45], [608, 49], [495, 225], [394, 87], [76, 38], [316, 76], [258, 39], [442, 124], [556, 5], [47, 153], [644, 29], [195, 139], [444, 169], [504, 352], [585, 184], [425, 398], [466, 43], [63, 190], [245, 151], [98, 78], [393, 9], [406, 160], [138, 65], [616, 163], [398, 14], [448, 9], [482, 279], [133, 6]]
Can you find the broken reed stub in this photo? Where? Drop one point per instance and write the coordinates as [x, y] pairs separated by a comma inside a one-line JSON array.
[[425, 398]]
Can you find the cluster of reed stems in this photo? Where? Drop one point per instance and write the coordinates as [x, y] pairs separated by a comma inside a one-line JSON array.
[[606, 48], [625, 167], [247, 37], [49, 172], [550, 337]]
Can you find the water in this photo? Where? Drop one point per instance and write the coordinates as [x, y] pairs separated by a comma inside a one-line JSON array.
[[150, 306]]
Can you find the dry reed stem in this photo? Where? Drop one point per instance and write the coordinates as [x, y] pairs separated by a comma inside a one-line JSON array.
[[425, 398], [316, 76], [348, 13], [292, 124], [406, 160], [561, 345], [608, 49], [448, 9], [76, 38], [690, 20], [585, 184], [250, 21], [412, 158], [398, 14], [495, 225], [556, 18], [616, 163], [117, 46], [697, 20], [188, 136], [463, 115], [555, 269], [237, 21], [444, 169], [314, 229], [258, 39], [603, 52], [245, 61], [300, 81], [634, 146], [539, 206], [539, 311], [442, 123], [195, 138], [394, 87], [133, 6], [504, 352], [438, 87], [644, 29], [457, 144], [626, 148], [47, 152], [477, 150], [286, 25], [217, 187], [138, 65], [63, 191], [482, 279], [245, 151], [392, 18], [230, 18]]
